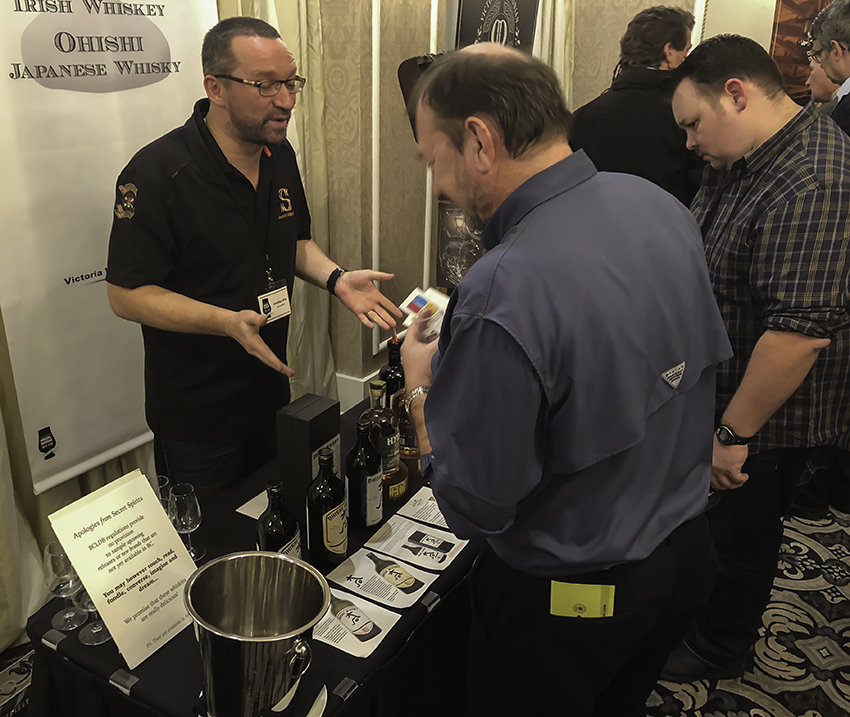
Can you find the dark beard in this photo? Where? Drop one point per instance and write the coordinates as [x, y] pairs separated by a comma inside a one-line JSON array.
[[257, 131]]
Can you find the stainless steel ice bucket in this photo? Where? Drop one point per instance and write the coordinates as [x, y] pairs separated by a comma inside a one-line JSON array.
[[254, 613]]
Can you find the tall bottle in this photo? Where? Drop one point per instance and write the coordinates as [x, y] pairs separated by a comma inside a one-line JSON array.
[[277, 528], [395, 574], [364, 473], [393, 373], [354, 619], [408, 441], [327, 521], [384, 428]]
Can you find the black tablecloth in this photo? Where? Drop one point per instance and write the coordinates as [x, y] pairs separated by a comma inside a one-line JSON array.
[[417, 669]]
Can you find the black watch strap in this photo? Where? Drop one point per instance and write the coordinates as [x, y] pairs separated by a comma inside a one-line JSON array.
[[333, 278], [727, 437]]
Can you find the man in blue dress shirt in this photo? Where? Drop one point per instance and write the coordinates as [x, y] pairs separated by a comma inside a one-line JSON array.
[[565, 415]]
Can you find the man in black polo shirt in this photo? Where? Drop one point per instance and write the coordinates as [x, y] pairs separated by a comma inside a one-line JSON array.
[[211, 226]]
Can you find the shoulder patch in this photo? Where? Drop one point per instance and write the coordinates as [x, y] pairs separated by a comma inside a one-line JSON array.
[[673, 376], [127, 208]]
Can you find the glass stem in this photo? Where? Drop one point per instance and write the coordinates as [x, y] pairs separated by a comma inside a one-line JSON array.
[[188, 542]]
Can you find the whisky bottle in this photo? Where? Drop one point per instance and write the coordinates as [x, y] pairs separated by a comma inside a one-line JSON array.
[[408, 441], [395, 575], [429, 553], [327, 520], [393, 373], [430, 541], [354, 619], [277, 528], [364, 473], [384, 428]]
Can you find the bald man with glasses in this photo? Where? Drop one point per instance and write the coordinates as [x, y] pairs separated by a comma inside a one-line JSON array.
[[210, 229]]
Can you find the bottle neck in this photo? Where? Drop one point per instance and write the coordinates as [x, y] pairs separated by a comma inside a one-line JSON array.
[[377, 398], [274, 499], [394, 354], [326, 470]]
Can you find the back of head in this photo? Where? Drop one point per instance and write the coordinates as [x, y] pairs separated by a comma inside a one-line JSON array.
[[217, 56], [720, 58], [833, 23], [519, 94], [649, 32]]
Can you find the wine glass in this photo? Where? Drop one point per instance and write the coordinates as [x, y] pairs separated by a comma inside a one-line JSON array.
[[163, 490], [185, 515], [96, 632], [62, 581]]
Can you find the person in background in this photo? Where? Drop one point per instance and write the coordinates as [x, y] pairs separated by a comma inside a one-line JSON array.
[[565, 413], [831, 50], [630, 127], [822, 88], [211, 227], [775, 212]]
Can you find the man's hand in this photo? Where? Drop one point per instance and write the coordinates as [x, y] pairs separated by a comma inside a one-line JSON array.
[[362, 298], [244, 326], [726, 466], [416, 354]]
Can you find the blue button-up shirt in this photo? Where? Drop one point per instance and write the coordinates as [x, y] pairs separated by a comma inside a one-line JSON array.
[[571, 413]]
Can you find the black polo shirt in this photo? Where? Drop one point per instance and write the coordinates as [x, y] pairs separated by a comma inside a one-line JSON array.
[[186, 220]]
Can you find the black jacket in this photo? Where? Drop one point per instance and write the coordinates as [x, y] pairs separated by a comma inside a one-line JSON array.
[[841, 114], [630, 128]]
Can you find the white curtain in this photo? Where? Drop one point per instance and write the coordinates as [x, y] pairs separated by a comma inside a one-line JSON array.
[[554, 40]]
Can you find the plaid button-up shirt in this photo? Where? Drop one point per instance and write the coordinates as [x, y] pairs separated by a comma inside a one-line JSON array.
[[776, 241]]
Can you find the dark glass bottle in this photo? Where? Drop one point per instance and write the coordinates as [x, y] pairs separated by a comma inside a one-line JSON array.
[[277, 528], [393, 373], [395, 574], [408, 441], [327, 520], [354, 619], [364, 473], [384, 428]]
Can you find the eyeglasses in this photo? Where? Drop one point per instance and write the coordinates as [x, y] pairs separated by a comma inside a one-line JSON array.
[[270, 88], [815, 54]]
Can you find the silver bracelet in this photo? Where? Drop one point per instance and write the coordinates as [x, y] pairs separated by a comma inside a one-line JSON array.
[[418, 391]]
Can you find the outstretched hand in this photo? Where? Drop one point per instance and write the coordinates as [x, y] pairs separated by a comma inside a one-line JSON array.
[[358, 293], [244, 326]]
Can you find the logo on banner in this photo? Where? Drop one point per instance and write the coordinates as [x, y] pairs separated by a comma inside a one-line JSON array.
[[499, 23], [127, 208], [46, 442]]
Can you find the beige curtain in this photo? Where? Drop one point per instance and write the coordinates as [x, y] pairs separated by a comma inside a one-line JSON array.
[[300, 25], [554, 40]]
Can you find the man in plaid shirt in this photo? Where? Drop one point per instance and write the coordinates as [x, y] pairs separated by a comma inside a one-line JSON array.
[[773, 208]]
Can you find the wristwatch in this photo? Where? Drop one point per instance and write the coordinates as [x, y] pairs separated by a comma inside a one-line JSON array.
[[333, 278], [727, 437], [416, 392]]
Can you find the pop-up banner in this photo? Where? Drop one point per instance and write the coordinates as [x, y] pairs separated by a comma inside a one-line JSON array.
[[85, 84]]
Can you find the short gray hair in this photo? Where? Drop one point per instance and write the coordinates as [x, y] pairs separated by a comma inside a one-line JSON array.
[[833, 23], [217, 56]]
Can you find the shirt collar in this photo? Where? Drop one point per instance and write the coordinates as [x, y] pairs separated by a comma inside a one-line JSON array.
[[767, 151], [202, 108], [560, 177], [844, 89]]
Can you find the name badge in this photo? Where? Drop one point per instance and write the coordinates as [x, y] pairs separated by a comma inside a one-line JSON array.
[[275, 303]]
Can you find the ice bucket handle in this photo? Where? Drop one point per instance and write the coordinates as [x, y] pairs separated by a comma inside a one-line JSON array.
[[301, 660]]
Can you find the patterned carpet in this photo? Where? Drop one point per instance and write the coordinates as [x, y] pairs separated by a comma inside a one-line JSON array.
[[801, 664]]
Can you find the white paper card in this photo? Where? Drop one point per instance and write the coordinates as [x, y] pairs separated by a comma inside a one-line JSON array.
[[423, 506], [418, 544], [395, 584], [132, 562], [358, 626]]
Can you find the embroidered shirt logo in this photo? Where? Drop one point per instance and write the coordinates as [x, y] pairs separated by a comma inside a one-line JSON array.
[[674, 375], [127, 208], [285, 204]]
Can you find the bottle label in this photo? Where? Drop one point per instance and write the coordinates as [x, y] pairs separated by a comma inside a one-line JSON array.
[[355, 621], [396, 575], [335, 530], [398, 490], [388, 447], [434, 555], [374, 499], [293, 547], [430, 540]]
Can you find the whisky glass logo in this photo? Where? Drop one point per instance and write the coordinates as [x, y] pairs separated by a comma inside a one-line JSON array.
[[46, 442], [499, 23]]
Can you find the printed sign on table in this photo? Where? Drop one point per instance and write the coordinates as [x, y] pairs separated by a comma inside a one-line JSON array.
[[354, 625], [385, 580], [423, 546], [423, 506], [132, 562]]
